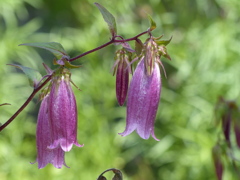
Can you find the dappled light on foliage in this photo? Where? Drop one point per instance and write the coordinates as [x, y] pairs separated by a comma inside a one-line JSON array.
[[199, 137]]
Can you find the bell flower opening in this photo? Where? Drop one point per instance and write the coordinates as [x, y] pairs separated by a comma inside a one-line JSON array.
[[143, 100], [44, 139], [63, 113]]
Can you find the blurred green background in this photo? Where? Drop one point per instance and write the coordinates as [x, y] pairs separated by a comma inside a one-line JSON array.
[[205, 64]]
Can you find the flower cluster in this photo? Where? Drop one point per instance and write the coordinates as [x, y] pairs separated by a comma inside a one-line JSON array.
[[57, 117], [57, 121], [145, 88]]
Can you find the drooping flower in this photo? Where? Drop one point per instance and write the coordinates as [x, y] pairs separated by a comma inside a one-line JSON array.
[[142, 102], [144, 91], [57, 121], [63, 112], [44, 139]]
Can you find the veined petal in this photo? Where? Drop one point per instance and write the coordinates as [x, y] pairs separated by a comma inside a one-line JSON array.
[[44, 139], [63, 115], [143, 100]]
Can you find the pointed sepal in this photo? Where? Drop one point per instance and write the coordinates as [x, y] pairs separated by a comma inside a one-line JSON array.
[[163, 42]]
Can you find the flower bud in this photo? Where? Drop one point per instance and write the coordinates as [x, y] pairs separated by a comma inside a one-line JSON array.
[[122, 77]]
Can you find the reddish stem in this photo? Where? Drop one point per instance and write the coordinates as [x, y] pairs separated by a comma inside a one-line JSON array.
[[113, 40]]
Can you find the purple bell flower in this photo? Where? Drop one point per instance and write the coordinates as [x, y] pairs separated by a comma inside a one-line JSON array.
[[44, 139], [57, 121], [143, 100], [63, 112]]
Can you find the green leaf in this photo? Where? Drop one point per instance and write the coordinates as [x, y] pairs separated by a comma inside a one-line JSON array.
[[152, 23], [33, 75], [163, 42], [109, 19], [54, 47]]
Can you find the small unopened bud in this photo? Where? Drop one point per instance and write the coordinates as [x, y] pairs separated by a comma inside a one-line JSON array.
[[122, 76]]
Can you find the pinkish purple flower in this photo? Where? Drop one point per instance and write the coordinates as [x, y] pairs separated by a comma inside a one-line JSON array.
[[44, 139], [57, 121], [143, 100], [63, 112]]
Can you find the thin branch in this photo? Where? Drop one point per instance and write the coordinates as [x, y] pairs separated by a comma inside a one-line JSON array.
[[88, 52], [133, 38], [25, 104], [113, 40]]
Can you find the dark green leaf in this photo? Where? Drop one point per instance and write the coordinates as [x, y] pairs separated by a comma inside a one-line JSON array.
[[109, 19], [33, 75], [54, 47]]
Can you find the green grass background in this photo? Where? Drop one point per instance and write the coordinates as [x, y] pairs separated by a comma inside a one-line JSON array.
[[205, 64]]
